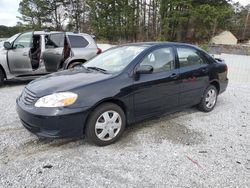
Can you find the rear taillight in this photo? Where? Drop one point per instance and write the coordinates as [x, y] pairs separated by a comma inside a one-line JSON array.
[[226, 68], [99, 50]]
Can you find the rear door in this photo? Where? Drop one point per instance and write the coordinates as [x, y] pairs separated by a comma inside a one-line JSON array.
[[194, 77], [19, 59], [54, 51]]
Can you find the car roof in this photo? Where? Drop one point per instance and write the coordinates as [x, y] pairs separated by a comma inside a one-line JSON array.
[[54, 32], [151, 44]]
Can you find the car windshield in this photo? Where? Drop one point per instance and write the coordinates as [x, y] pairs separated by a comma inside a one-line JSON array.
[[114, 60]]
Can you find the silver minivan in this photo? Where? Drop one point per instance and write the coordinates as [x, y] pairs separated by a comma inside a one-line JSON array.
[[31, 54]]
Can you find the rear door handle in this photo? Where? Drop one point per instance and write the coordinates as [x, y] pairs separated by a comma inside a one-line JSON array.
[[174, 76], [25, 54]]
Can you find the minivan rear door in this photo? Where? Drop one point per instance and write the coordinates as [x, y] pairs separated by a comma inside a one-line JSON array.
[[54, 51]]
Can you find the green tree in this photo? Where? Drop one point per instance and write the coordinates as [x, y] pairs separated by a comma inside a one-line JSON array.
[[139, 20], [34, 12]]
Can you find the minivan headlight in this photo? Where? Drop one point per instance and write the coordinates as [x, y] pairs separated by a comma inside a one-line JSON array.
[[57, 100]]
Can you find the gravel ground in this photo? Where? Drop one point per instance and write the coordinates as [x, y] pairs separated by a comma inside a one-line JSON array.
[[184, 149]]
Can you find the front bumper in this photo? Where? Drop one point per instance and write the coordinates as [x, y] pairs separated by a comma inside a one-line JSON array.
[[52, 122]]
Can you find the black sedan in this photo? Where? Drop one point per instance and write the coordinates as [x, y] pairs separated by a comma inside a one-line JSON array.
[[124, 85]]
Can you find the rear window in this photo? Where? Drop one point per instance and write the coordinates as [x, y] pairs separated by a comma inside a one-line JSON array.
[[189, 57], [78, 41]]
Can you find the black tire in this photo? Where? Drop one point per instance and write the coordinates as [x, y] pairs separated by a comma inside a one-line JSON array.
[[91, 131], [1, 78], [75, 65], [204, 104]]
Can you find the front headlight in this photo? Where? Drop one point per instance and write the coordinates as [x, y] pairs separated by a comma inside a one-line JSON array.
[[57, 100]]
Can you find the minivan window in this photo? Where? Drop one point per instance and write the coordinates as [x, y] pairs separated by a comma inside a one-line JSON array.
[[77, 41], [23, 41], [161, 60], [188, 57], [55, 40]]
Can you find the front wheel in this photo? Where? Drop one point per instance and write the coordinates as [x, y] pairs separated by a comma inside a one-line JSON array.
[[209, 99], [105, 124]]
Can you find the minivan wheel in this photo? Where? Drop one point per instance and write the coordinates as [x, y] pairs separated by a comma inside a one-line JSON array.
[[209, 99], [75, 65], [1, 78], [105, 124]]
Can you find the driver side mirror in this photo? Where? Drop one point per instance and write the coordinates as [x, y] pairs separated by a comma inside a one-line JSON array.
[[144, 69], [7, 45]]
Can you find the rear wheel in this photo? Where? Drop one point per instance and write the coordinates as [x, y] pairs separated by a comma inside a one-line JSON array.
[[75, 65], [1, 78], [106, 124], [209, 99]]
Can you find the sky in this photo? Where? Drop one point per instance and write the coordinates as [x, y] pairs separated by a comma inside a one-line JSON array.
[[9, 11]]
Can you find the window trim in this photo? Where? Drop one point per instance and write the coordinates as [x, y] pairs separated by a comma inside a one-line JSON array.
[[154, 49], [205, 61]]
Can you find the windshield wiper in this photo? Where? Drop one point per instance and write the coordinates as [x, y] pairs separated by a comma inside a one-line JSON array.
[[97, 69]]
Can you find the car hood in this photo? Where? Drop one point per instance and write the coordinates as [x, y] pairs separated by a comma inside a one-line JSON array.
[[64, 81]]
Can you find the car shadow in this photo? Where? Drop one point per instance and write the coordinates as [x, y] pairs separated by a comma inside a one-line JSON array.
[[169, 128], [164, 128], [15, 83]]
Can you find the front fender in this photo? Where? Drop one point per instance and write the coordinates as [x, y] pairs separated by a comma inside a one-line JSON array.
[[4, 64]]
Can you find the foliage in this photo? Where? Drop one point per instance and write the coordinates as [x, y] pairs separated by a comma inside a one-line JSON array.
[[139, 20]]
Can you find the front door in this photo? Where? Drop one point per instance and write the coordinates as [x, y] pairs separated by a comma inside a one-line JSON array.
[[157, 92], [193, 75], [54, 51], [19, 56]]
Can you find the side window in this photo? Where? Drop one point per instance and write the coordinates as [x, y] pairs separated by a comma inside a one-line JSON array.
[[23, 41], [78, 41], [55, 40], [188, 57], [161, 60]]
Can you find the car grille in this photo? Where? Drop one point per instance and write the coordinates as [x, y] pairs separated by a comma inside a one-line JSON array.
[[28, 97]]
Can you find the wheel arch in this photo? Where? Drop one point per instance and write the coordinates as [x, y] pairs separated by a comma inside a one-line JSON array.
[[216, 84], [2, 69], [67, 64], [114, 101]]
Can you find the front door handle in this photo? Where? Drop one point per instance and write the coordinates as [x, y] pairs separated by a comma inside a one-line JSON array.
[[174, 76], [204, 70]]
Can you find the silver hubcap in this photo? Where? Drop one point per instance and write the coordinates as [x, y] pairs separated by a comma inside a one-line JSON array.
[[211, 98], [108, 125]]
